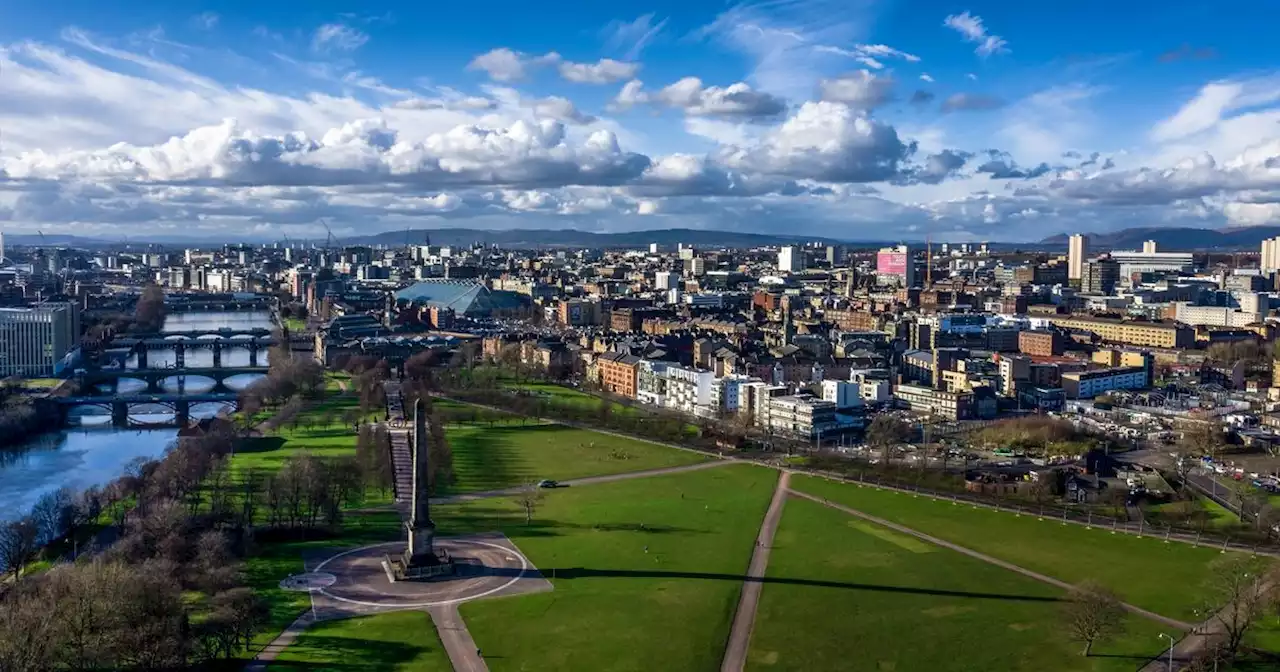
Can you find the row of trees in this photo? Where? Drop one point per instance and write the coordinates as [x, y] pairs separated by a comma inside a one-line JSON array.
[[169, 592], [19, 419]]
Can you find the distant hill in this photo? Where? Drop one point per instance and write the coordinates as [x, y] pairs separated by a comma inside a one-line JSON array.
[[535, 238], [1184, 239]]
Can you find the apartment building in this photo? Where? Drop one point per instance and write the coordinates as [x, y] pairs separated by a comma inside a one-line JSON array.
[[1148, 334], [801, 416], [619, 373], [1089, 384], [675, 387]]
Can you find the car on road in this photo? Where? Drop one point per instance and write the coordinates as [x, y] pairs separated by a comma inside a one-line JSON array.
[[546, 483]]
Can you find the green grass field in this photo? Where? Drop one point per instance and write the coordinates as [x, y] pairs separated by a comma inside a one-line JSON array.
[[844, 594], [487, 458], [404, 641], [659, 597], [1168, 579], [571, 397]]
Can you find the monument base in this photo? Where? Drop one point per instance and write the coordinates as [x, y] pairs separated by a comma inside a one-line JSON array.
[[420, 560]]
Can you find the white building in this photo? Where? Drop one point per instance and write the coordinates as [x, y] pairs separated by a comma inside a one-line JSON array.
[[801, 416], [1270, 259], [676, 387], [842, 393], [653, 248], [1133, 261], [666, 280], [729, 393], [1077, 251], [1214, 315], [790, 260], [705, 300]]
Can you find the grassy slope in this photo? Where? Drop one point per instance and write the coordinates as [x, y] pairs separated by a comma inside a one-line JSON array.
[[849, 622], [1165, 578], [486, 458], [616, 606], [405, 641]]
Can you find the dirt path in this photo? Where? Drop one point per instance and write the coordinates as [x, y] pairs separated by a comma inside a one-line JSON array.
[[1163, 620], [462, 649], [735, 655]]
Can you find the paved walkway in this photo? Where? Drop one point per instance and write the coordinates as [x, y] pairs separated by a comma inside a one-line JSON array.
[[1163, 620], [462, 650], [277, 646], [735, 655], [1194, 643]]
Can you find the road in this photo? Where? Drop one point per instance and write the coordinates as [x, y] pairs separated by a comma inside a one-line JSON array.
[[1163, 620], [735, 655]]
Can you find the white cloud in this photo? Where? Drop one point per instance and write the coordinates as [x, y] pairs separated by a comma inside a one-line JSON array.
[[560, 109], [632, 37], [339, 37], [604, 71], [736, 101], [974, 30], [869, 54], [205, 20], [505, 65], [1050, 122], [827, 142], [924, 77], [1214, 100], [860, 89]]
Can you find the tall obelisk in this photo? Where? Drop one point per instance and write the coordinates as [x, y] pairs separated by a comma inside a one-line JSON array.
[[422, 531]]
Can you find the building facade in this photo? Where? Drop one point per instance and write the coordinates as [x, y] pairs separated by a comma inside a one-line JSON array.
[[36, 342]]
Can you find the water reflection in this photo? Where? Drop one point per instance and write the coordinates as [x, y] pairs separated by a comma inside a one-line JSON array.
[[74, 458]]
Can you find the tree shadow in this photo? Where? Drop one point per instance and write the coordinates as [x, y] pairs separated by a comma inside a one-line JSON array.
[[348, 654]]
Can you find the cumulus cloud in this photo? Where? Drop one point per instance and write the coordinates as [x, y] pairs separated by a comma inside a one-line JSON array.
[[505, 65], [338, 37], [924, 77], [958, 102], [944, 164], [561, 109], [860, 89], [827, 142], [736, 101], [364, 152], [604, 71], [973, 29], [1001, 166]]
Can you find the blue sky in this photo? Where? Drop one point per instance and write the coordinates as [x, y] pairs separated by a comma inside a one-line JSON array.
[[959, 120]]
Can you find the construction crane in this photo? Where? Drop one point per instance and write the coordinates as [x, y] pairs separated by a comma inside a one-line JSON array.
[[328, 242]]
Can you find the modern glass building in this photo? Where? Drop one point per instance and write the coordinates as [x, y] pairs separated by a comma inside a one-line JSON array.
[[35, 341]]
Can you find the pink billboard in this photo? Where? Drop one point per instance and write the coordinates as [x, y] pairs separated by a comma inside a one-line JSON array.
[[891, 263]]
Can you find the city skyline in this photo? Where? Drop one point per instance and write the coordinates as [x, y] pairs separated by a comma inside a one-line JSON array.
[[961, 122]]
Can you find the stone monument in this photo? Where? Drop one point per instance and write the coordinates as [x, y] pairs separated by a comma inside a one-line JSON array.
[[420, 559]]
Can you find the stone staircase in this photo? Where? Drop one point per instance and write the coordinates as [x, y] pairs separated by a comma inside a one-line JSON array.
[[402, 461]]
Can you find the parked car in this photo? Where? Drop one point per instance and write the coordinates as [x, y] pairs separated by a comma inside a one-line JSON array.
[[547, 483]]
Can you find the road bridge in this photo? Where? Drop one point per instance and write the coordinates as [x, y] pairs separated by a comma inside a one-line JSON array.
[[119, 405], [155, 377]]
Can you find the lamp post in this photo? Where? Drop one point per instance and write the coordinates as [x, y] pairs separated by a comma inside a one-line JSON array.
[[1172, 641]]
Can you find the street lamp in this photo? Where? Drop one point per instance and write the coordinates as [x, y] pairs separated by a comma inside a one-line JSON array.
[[1172, 641]]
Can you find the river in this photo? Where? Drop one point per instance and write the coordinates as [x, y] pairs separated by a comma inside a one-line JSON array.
[[96, 453]]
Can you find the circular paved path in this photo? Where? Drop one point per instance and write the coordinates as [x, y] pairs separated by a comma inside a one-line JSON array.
[[483, 568]]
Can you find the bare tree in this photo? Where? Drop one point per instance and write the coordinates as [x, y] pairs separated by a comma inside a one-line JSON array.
[[1092, 614], [529, 498], [1240, 593], [19, 540]]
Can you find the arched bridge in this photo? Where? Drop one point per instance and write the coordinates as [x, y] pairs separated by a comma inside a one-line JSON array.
[[155, 377], [119, 405], [255, 340]]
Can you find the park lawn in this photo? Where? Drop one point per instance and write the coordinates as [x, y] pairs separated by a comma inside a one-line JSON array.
[[1168, 579], [661, 597], [405, 641], [295, 325], [320, 431], [500, 456], [269, 562], [570, 397], [845, 594]]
